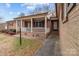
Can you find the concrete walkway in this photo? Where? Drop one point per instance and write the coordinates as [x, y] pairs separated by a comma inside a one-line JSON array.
[[51, 47]]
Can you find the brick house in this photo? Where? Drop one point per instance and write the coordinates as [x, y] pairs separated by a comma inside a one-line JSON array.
[[3, 26], [36, 25], [65, 22], [11, 24], [68, 15]]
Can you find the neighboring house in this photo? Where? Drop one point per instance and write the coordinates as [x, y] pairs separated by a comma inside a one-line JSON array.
[[3, 26], [11, 24], [68, 15]]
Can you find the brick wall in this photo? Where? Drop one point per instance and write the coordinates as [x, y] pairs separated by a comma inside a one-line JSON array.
[[2, 26], [69, 33], [12, 25]]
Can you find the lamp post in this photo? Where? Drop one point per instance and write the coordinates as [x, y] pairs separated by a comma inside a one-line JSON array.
[[21, 14], [20, 34]]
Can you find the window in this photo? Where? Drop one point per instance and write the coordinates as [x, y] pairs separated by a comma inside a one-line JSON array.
[[70, 6], [11, 23], [38, 23], [26, 24], [66, 10]]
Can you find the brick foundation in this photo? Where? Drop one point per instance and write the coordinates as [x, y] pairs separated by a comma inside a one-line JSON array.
[[35, 35]]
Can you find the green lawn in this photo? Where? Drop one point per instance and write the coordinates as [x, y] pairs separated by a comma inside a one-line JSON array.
[[28, 46]]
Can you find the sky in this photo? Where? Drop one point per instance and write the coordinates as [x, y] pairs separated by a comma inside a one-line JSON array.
[[8, 11]]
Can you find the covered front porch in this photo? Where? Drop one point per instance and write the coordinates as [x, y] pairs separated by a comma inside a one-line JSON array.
[[38, 24]]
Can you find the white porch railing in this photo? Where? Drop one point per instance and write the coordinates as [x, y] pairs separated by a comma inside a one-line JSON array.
[[26, 29], [34, 29]]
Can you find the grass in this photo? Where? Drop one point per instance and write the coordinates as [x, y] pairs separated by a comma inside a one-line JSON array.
[[2, 38], [11, 45], [28, 46]]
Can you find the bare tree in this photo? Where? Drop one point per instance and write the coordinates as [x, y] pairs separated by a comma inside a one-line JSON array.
[[41, 8]]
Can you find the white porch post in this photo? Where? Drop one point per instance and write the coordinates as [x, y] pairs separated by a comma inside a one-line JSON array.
[[16, 26], [31, 24], [45, 25]]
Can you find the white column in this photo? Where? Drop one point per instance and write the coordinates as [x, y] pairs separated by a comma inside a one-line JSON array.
[[45, 25], [28, 24], [31, 24], [16, 26]]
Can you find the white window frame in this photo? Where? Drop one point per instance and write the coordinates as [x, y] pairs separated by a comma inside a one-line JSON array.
[[38, 24], [66, 10]]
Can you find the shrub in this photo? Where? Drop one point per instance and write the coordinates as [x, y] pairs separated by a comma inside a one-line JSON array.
[[13, 30]]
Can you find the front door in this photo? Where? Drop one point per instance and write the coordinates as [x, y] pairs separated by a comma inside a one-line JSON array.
[[54, 25]]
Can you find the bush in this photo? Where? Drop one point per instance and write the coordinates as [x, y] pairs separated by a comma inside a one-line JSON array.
[[3, 31], [13, 30], [10, 31]]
